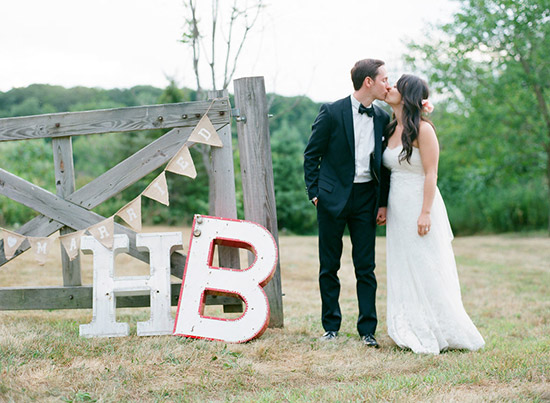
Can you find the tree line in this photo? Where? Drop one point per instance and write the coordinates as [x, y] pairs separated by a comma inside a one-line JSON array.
[[491, 182], [490, 67]]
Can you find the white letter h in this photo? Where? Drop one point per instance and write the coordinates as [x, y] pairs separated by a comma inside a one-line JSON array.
[[107, 287]]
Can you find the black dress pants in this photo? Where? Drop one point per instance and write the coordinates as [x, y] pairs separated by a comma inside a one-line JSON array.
[[360, 217]]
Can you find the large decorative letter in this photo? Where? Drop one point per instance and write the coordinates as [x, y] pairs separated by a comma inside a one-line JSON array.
[[160, 246], [201, 278], [107, 287]]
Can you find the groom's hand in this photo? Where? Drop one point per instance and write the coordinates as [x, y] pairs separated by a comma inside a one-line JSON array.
[[381, 216]]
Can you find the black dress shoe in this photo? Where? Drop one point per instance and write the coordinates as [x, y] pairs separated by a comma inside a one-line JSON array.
[[369, 341], [330, 335]]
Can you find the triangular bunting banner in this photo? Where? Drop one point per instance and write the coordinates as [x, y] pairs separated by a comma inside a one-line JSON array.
[[205, 133], [182, 163], [41, 248], [12, 241], [158, 190], [71, 243], [131, 214], [104, 232]]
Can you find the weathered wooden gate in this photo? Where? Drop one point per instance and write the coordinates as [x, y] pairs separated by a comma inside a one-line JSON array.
[[70, 210]]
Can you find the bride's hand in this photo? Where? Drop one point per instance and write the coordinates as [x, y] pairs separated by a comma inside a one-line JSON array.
[[424, 224]]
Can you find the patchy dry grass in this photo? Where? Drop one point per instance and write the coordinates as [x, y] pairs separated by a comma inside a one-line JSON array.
[[505, 287]]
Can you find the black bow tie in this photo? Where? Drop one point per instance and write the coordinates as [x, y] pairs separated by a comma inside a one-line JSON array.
[[369, 111]]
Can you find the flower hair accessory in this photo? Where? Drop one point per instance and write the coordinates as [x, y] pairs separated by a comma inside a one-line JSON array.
[[427, 106]]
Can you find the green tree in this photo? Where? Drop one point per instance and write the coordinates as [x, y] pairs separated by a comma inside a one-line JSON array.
[[18, 157], [290, 128], [491, 67], [294, 210]]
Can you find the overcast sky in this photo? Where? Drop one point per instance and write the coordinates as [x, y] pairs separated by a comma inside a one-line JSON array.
[[301, 47]]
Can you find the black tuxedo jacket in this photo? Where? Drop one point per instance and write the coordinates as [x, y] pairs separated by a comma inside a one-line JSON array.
[[329, 157]]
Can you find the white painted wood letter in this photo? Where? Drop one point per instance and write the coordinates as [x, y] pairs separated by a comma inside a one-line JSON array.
[[201, 277], [106, 287]]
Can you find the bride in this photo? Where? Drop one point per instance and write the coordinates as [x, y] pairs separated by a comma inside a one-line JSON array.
[[425, 311]]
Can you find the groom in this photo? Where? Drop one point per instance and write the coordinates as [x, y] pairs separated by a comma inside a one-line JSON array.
[[343, 172]]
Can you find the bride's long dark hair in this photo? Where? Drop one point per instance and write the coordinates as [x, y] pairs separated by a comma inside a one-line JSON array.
[[413, 91]]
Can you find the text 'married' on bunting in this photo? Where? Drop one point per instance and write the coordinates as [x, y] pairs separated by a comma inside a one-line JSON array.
[[41, 248], [104, 231], [158, 190], [131, 214], [71, 243], [182, 164], [205, 133]]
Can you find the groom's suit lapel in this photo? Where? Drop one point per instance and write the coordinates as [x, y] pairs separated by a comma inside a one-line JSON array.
[[347, 118]]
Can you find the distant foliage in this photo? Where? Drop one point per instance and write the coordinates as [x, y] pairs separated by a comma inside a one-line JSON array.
[[290, 128], [491, 171], [490, 69]]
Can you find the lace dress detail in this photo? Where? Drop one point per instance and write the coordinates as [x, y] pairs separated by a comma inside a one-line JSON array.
[[424, 305]]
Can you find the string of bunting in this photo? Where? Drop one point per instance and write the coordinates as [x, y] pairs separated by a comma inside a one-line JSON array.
[[180, 164]]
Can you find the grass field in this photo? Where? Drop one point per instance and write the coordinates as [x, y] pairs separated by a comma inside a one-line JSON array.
[[505, 287]]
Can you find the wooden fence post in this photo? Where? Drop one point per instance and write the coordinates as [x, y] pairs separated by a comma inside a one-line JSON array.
[[257, 173], [225, 199], [65, 186]]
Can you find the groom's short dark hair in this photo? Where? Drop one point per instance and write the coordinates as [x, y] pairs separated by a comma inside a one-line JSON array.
[[363, 69]]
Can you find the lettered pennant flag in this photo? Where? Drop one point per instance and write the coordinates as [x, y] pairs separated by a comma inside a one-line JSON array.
[[71, 243], [205, 133], [41, 248], [182, 163], [12, 241], [131, 214], [158, 190], [104, 231]]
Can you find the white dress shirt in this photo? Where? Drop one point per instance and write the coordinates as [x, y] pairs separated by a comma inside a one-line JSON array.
[[363, 128]]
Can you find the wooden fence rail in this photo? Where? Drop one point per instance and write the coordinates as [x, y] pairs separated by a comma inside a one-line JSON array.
[[118, 120], [69, 209]]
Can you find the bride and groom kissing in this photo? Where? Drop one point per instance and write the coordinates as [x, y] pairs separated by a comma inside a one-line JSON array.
[[362, 169]]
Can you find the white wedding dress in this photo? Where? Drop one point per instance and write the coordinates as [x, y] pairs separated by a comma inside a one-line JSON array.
[[424, 305]]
